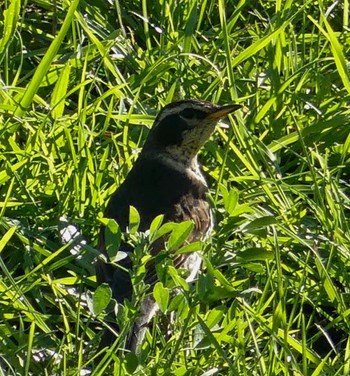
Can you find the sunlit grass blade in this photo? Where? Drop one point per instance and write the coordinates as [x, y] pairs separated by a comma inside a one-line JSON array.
[[46, 61], [10, 23]]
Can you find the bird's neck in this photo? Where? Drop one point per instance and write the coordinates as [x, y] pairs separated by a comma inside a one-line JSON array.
[[185, 164], [191, 168], [185, 155]]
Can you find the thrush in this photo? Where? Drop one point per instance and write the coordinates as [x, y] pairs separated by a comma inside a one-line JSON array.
[[166, 179]]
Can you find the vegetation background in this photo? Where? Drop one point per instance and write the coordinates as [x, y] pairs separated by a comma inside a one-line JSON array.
[[80, 84]]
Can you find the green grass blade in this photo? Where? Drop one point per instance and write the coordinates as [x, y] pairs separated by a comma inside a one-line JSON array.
[[46, 61], [10, 15]]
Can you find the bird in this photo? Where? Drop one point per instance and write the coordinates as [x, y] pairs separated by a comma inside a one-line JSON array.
[[167, 180]]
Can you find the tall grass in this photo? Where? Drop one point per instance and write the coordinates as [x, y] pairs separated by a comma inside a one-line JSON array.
[[80, 84]]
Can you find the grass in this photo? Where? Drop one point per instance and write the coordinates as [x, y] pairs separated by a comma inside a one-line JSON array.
[[80, 84]]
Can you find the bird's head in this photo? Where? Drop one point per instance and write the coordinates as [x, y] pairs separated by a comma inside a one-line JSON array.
[[182, 128]]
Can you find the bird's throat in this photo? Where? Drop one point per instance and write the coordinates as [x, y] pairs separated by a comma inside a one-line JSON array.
[[187, 166]]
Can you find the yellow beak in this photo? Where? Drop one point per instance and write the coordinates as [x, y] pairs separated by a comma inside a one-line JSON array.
[[222, 111]]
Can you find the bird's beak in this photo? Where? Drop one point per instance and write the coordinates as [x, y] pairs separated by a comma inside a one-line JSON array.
[[222, 111]]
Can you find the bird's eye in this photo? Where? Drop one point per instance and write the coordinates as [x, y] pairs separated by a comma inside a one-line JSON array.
[[188, 113]]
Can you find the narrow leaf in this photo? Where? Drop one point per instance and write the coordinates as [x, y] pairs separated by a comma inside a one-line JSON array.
[[60, 92], [10, 22], [6, 238]]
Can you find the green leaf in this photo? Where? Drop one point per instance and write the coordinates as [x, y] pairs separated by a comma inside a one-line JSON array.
[[131, 362], [113, 237], [60, 92], [155, 225], [218, 275], [180, 371], [178, 280], [10, 23], [189, 248], [215, 316], [261, 222], [255, 254], [101, 298], [166, 228], [175, 302], [284, 141], [328, 284], [214, 286], [179, 234], [134, 220], [230, 199], [6, 238], [179, 304], [7, 173], [279, 319], [161, 296], [254, 267]]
